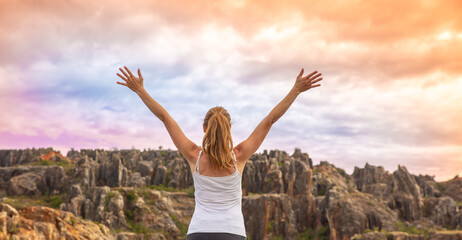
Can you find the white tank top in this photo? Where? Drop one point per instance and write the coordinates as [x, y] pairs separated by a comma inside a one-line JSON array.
[[218, 203]]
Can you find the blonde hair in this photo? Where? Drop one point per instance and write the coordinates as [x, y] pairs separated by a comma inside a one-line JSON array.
[[217, 142]]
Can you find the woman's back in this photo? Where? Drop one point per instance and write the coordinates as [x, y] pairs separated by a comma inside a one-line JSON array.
[[206, 168], [218, 200]]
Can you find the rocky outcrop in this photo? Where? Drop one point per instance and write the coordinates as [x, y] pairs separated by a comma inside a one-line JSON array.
[[406, 197], [347, 213], [33, 180], [112, 172], [399, 189], [457, 221], [180, 175], [10, 158], [326, 176], [159, 176], [373, 180], [144, 168], [453, 188], [122, 189], [47, 223], [262, 176], [444, 213], [126, 207], [99, 204], [428, 186], [269, 215]]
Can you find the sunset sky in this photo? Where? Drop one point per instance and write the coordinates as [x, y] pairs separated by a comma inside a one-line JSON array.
[[391, 94]]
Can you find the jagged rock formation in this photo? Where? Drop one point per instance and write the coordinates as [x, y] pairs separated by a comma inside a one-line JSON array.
[[453, 188], [33, 180], [151, 194], [47, 223], [428, 186]]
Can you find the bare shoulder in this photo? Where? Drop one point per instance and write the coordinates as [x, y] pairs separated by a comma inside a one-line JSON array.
[[241, 160]]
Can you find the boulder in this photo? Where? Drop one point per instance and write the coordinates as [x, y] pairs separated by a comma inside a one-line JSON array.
[[34, 180], [304, 157], [27, 184], [374, 180], [444, 212], [268, 215], [178, 174], [428, 186], [100, 204], [273, 181], [136, 180], [453, 188], [348, 213], [145, 168], [112, 172], [159, 176], [406, 195]]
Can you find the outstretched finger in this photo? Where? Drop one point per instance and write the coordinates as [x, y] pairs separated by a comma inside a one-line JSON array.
[[315, 76], [139, 73], [125, 74], [118, 74], [129, 72], [317, 85], [317, 80], [122, 84], [301, 73], [311, 74]]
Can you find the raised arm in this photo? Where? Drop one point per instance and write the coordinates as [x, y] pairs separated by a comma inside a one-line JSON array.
[[184, 145], [248, 147]]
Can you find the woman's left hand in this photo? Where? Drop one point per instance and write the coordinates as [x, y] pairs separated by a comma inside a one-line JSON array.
[[132, 82]]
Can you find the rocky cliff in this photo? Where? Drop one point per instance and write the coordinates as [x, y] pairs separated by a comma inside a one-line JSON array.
[[133, 194]]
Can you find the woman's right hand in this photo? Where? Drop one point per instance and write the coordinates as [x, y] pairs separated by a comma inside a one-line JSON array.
[[304, 83]]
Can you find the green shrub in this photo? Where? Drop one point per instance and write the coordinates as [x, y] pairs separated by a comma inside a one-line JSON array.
[[55, 201], [341, 171], [139, 228], [370, 203], [190, 191], [322, 190], [129, 214], [269, 227], [279, 237], [131, 196], [183, 227], [164, 188], [111, 194], [322, 232], [168, 176], [67, 166], [46, 163], [400, 226]]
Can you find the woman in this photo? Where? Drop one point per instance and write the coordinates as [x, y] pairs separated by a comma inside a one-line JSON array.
[[217, 168]]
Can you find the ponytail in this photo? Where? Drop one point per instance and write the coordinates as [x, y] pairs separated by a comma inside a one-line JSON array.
[[217, 142]]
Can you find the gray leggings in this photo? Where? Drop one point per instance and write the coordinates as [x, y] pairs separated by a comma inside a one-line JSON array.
[[213, 236]]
